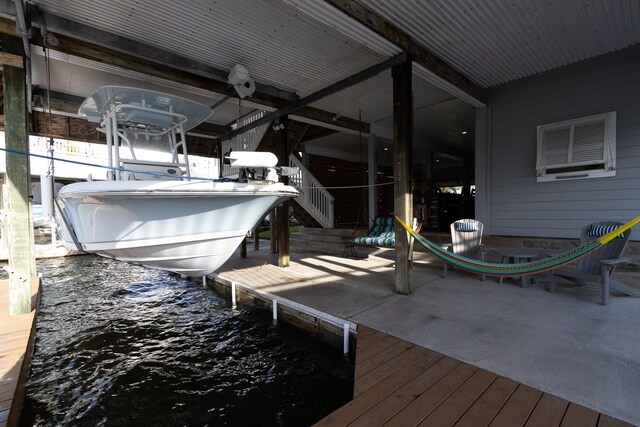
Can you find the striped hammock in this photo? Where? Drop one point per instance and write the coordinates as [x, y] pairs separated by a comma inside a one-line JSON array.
[[519, 269]]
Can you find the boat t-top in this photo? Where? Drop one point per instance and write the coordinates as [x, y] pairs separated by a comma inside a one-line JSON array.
[[153, 212]]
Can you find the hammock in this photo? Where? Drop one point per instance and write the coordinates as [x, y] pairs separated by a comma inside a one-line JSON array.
[[519, 269]]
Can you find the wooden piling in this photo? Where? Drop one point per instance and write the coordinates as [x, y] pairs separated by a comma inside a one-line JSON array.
[[18, 223], [282, 211], [403, 138]]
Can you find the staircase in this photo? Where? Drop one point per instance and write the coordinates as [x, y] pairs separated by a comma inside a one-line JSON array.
[[314, 206], [314, 198], [246, 141]]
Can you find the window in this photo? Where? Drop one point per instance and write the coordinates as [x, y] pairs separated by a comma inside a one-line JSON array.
[[577, 149]]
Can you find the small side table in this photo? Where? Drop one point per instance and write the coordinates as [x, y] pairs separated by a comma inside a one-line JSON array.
[[349, 248], [518, 255]]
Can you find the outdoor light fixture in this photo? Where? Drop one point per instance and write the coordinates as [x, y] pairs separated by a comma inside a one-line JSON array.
[[241, 81], [464, 132]]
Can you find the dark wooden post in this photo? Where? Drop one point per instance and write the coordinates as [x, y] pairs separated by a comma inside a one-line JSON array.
[[243, 248], [281, 150], [402, 146], [256, 238], [18, 224], [274, 232]]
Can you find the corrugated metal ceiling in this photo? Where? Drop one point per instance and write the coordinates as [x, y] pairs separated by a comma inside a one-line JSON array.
[[494, 42], [278, 44], [306, 45]]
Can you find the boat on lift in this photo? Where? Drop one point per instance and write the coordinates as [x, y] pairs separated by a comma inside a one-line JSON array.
[[154, 213]]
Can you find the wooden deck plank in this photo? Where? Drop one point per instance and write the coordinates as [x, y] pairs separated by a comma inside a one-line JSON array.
[[484, 410], [381, 358], [386, 409], [425, 403], [6, 395], [363, 342], [381, 342], [457, 404], [378, 392], [365, 331], [548, 412], [518, 407], [607, 421], [392, 366], [579, 416], [16, 342]]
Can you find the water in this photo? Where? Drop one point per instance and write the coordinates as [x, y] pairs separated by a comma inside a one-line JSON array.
[[119, 344]]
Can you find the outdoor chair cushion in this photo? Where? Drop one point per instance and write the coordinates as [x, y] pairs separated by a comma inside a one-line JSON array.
[[381, 234], [466, 226], [596, 230]]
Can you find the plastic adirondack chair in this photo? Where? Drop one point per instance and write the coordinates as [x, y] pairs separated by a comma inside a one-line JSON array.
[[466, 240], [598, 266]]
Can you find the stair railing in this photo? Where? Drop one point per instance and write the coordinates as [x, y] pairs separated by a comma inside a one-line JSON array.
[[314, 198], [246, 141]]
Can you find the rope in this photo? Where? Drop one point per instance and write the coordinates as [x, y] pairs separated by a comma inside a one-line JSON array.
[[519, 269], [350, 186]]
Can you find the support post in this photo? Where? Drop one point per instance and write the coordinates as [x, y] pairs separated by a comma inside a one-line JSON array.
[[402, 146], [345, 338], [256, 238], [243, 248], [18, 223], [233, 295], [281, 149], [274, 232], [371, 178]]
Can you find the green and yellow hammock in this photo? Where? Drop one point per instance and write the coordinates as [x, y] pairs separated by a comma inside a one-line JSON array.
[[519, 269]]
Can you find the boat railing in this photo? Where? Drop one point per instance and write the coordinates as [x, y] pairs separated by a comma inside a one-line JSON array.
[[313, 197]]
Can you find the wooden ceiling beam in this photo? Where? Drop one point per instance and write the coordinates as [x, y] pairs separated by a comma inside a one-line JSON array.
[[420, 54]]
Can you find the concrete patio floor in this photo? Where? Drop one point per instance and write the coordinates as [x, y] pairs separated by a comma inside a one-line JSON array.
[[564, 343]]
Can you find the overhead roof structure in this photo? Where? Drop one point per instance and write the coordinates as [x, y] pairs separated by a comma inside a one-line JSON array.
[[294, 48]]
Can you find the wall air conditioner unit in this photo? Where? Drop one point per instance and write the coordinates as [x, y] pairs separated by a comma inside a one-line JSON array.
[[577, 149]]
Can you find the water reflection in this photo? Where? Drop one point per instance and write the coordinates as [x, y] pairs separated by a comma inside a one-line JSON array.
[[119, 344]]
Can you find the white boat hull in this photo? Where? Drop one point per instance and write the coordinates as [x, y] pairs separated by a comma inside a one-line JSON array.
[[190, 228]]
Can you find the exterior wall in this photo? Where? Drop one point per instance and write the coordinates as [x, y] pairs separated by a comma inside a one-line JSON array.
[[514, 203]]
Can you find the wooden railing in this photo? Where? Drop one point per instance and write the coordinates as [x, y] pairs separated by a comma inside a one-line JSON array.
[[246, 141], [314, 198]]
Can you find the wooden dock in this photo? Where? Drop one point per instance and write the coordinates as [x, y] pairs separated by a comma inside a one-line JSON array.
[[402, 384], [17, 335]]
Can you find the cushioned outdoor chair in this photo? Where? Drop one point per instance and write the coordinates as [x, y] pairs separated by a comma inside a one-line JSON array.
[[598, 266], [382, 233], [466, 240]]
